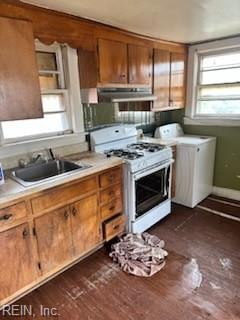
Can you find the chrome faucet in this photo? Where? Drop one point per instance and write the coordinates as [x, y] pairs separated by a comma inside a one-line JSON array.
[[23, 162]]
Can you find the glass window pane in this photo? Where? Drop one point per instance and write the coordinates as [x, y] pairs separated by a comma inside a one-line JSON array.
[[220, 107], [220, 76], [226, 91], [53, 102], [46, 61], [22, 128], [49, 81], [220, 61]]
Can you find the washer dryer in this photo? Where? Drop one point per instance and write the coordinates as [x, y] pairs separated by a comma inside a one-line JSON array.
[[194, 164]]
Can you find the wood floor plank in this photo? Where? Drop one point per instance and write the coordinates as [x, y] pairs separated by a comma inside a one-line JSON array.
[[200, 280], [223, 207]]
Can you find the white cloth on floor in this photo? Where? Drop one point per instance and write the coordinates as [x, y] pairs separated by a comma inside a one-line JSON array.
[[139, 254]]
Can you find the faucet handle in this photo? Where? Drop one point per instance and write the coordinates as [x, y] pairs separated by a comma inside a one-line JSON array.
[[22, 162], [51, 154]]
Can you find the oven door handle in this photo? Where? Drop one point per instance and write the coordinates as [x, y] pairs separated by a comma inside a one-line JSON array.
[[166, 177], [146, 172]]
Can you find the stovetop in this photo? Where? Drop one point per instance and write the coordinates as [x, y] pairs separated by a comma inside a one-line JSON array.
[[121, 141], [146, 146], [135, 151], [124, 154]]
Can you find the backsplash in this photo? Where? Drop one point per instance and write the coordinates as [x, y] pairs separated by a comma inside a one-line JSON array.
[[12, 162], [104, 114]]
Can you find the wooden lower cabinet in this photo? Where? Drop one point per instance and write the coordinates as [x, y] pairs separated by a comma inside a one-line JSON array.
[[44, 237], [18, 264], [53, 232], [86, 227]]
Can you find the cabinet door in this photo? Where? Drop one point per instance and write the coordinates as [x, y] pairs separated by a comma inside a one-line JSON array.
[[53, 232], [161, 78], [139, 65], [177, 81], [18, 265], [86, 227], [112, 61], [19, 83]]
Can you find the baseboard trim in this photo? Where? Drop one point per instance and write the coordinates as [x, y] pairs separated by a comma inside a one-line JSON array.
[[226, 193]]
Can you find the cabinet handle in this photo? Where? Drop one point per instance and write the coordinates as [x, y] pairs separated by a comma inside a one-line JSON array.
[[111, 193], [6, 216], [74, 211], [25, 233], [66, 214], [116, 227], [111, 208], [122, 75], [111, 179]]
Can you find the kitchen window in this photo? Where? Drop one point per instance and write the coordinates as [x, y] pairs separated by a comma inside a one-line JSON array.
[[213, 90], [218, 87], [54, 93]]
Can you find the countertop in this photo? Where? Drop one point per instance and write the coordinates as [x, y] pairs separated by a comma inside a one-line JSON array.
[[12, 190]]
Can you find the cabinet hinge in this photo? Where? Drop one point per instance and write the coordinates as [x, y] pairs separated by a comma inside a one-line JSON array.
[[39, 266], [34, 232]]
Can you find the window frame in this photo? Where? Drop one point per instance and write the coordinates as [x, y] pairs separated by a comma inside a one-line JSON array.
[[207, 116], [195, 54], [57, 49], [69, 65]]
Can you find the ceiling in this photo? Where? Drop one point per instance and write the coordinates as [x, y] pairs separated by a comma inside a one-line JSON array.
[[183, 21]]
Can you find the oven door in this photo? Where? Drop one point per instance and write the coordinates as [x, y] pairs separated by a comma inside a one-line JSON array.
[[152, 188]]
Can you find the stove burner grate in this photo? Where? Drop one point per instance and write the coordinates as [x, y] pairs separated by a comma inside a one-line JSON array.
[[124, 153], [150, 147]]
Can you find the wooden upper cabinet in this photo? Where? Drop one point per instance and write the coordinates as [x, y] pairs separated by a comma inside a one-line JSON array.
[[86, 230], [54, 239], [18, 265], [177, 80], [112, 56], [139, 65], [169, 72], [161, 78], [19, 83], [87, 63]]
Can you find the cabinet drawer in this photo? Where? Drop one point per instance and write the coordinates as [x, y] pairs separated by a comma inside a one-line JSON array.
[[61, 195], [110, 177], [112, 208], [111, 193], [114, 227], [12, 213]]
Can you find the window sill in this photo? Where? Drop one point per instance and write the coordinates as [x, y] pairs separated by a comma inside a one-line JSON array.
[[212, 122], [18, 148]]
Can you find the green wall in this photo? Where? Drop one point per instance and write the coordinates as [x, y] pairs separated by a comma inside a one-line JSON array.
[[227, 161]]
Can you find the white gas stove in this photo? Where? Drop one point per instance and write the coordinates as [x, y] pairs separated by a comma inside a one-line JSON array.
[[147, 174]]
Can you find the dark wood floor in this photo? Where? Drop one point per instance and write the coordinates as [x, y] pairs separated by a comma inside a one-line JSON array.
[[201, 279], [230, 207]]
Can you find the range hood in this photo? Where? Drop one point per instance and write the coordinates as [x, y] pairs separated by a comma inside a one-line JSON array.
[[112, 95]]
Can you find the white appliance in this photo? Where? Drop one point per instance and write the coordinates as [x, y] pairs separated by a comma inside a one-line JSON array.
[[194, 164], [147, 174]]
